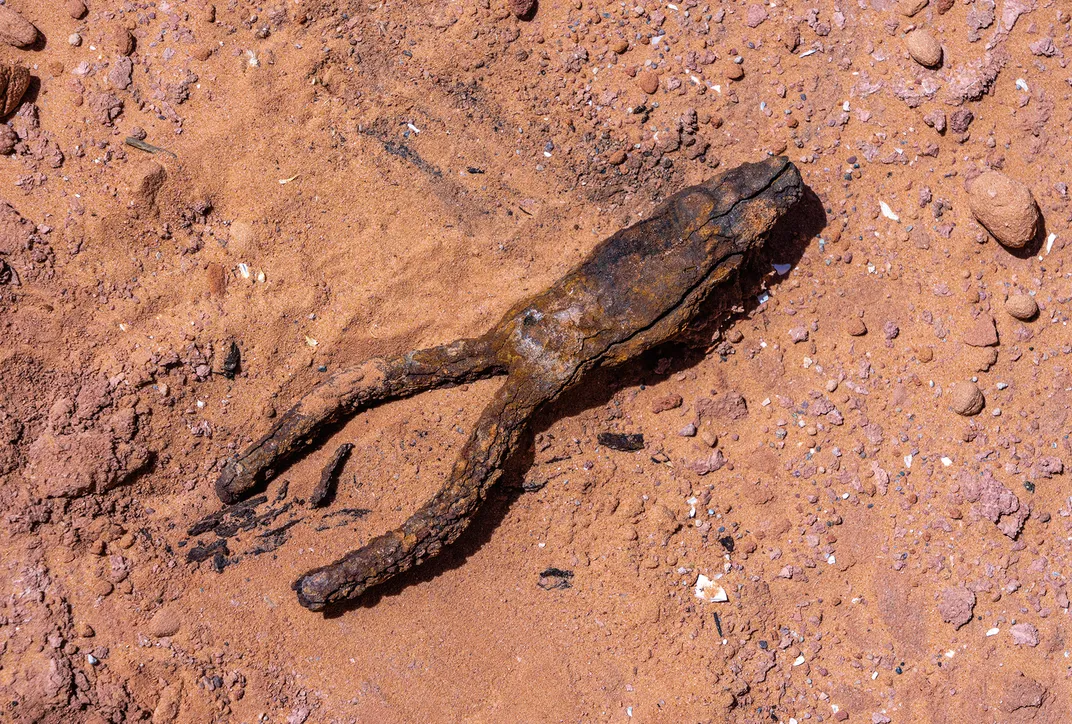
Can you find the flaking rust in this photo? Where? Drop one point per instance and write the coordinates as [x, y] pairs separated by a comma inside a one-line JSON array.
[[637, 289]]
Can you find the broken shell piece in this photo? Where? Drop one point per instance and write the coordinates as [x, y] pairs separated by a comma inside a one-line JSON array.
[[709, 591]]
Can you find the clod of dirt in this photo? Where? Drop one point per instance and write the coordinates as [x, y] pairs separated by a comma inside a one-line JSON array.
[[16, 30], [1024, 634], [967, 399], [648, 81], [1021, 306], [924, 48], [956, 606], [8, 140], [1022, 693], [76, 9], [14, 80], [15, 229], [124, 41], [523, 9], [734, 71], [165, 622], [982, 334], [666, 402], [1005, 207], [856, 327], [144, 181], [908, 8]]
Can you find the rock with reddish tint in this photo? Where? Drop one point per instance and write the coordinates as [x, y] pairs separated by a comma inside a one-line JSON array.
[[728, 406], [666, 402], [798, 334], [1024, 634], [994, 502], [15, 229], [908, 8], [120, 76], [648, 81], [76, 9], [124, 41], [936, 120], [711, 463], [856, 327], [1020, 692], [956, 606], [924, 48], [983, 333], [523, 9], [1021, 306], [8, 140], [967, 399], [755, 15], [960, 120], [1005, 207], [1044, 48], [16, 30]]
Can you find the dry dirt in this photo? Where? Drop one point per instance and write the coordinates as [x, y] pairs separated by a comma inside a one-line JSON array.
[[355, 179]]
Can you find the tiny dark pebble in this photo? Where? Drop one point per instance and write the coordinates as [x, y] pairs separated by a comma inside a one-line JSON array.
[[621, 442]]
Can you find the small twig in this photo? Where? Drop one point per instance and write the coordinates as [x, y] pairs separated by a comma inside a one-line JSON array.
[[329, 478], [147, 147]]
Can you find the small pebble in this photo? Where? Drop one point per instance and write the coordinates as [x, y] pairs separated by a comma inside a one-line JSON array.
[[967, 399], [124, 41], [924, 48], [908, 8], [74, 39], [619, 45], [648, 81], [76, 9], [734, 72], [523, 8], [856, 327], [1005, 207], [1021, 306]]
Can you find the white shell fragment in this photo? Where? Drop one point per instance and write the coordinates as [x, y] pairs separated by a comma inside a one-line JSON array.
[[709, 591], [888, 212]]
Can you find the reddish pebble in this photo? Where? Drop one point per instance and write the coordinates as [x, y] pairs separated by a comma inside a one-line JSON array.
[[649, 82], [523, 8]]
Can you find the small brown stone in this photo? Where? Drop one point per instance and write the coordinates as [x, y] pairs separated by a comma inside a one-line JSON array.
[[216, 279], [14, 81], [124, 41], [967, 399], [924, 48], [8, 139], [619, 45], [202, 53], [924, 354], [523, 8], [165, 622], [983, 333], [16, 30], [856, 327], [1005, 207], [734, 71], [908, 8], [1021, 306], [649, 82], [617, 158], [76, 9], [943, 6]]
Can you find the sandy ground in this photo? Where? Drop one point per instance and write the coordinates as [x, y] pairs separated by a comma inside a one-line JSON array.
[[357, 179]]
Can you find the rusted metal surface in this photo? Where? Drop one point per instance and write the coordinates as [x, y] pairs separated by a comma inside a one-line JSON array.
[[637, 289]]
